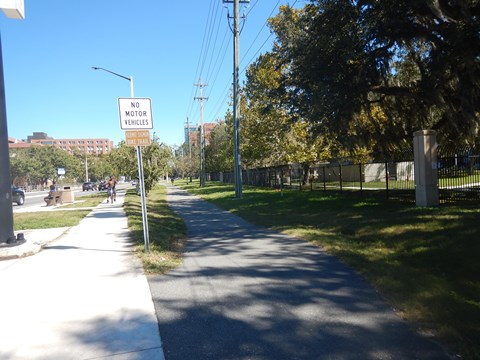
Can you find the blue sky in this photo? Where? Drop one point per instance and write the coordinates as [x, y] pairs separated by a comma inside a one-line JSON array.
[[166, 46]]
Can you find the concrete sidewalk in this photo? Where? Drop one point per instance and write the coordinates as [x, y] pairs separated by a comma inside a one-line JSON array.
[[244, 292], [84, 296]]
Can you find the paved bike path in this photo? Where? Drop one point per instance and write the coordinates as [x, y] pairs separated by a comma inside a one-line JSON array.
[[245, 292]]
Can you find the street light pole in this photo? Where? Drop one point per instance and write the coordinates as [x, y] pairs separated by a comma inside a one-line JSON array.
[[14, 10], [6, 210], [141, 178], [86, 167]]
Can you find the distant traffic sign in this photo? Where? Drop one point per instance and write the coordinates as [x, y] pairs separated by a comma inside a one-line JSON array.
[[135, 113], [137, 137]]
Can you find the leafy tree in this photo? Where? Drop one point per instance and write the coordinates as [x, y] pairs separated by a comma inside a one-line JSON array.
[[122, 161], [155, 157], [98, 167], [416, 59], [265, 120], [439, 39], [188, 161], [20, 166], [272, 135], [219, 152], [38, 164], [157, 160]]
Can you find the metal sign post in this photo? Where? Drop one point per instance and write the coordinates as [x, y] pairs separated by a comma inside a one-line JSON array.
[[139, 138], [136, 114], [146, 236]]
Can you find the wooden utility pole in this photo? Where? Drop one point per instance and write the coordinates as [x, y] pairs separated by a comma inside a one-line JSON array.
[[188, 140], [237, 168], [202, 133]]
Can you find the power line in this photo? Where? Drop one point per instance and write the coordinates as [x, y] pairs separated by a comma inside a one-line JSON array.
[[199, 62], [261, 29], [252, 7], [215, 69], [221, 63], [214, 48], [223, 99], [209, 39]]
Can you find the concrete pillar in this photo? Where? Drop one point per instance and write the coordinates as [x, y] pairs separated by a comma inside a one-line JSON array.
[[426, 177]]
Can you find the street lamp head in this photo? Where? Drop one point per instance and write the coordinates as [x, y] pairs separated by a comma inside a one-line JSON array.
[[111, 72], [114, 73]]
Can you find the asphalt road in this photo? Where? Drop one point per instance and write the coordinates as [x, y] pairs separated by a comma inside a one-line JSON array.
[[245, 292], [35, 199]]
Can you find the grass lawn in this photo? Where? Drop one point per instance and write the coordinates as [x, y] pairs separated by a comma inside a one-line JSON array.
[[425, 261], [167, 232], [57, 218], [47, 219], [88, 201]]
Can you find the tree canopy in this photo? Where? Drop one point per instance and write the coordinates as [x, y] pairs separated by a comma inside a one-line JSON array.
[[417, 60], [37, 165]]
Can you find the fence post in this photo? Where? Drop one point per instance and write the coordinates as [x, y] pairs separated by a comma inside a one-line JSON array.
[[310, 178], [361, 179], [425, 165], [324, 180], [386, 179], [340, 173], [300, 185]]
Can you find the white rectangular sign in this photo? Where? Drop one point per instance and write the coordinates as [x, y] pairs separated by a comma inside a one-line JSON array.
[[135, 113]]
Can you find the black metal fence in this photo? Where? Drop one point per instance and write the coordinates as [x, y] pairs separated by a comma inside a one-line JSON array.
[[458, 172], [391, 177]]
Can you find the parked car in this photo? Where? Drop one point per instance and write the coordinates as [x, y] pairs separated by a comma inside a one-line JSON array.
[[18, 195], [89, 186], [102, 186]]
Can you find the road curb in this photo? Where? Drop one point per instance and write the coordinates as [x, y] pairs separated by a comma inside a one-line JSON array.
[[36, 239]]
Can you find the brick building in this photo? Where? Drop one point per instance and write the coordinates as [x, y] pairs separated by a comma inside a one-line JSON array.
[[192, 134], [89, 146]]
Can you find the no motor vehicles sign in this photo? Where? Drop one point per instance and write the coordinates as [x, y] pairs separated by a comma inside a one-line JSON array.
[[135, 113]]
